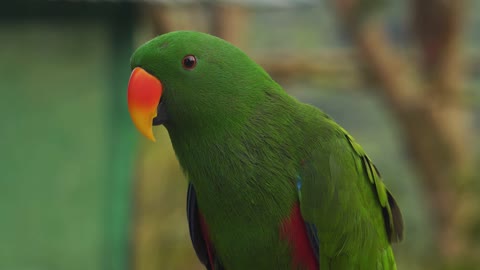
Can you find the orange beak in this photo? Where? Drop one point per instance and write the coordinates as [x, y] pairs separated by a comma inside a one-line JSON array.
[[144, 93]]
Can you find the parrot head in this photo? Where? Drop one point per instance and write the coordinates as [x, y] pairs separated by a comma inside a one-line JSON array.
[[190, 80]]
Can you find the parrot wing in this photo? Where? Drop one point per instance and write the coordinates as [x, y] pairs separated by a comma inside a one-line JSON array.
[[198, 235], [351, 217]]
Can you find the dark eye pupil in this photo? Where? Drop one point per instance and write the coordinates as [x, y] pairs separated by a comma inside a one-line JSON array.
[[189, 62]]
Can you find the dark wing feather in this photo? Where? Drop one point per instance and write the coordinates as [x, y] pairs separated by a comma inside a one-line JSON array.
[[391, 212], [196, 235], [313, 238], [195, 229]]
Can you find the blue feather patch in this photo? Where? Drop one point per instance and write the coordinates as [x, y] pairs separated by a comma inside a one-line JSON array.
[[311, 229], [299, 186]]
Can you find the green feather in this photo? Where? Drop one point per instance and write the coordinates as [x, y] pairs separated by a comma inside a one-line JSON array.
[[243, 142]]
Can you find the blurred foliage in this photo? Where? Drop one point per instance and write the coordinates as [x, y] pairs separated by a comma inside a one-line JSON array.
[[66, 157]]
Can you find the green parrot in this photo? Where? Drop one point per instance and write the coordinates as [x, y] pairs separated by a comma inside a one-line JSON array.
[[273, 183]]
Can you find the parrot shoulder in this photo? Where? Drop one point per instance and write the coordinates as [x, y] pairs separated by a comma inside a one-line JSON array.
[[391, 211], [342, 195]]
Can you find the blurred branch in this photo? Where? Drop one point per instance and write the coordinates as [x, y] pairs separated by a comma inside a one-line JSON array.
[[437, 25], [391, 71], [162, 22], [230, 22], [286, 65], [167, 18], [389, 68]]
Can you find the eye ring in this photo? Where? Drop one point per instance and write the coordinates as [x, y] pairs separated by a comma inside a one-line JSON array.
[[189, 62]]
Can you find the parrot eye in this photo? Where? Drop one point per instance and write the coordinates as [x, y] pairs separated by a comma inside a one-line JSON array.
[[189, 62]]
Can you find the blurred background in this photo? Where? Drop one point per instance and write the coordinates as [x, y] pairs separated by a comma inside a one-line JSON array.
[[80, 189]]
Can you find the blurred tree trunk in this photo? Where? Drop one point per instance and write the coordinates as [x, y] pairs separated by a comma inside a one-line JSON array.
[[230, 22], [428, 106]]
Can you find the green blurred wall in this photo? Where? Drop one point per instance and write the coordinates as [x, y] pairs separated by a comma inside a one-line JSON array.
[[66, 142]]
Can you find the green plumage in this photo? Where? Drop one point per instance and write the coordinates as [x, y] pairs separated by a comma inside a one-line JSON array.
[[243, 141]]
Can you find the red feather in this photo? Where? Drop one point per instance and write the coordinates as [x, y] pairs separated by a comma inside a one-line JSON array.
[[206, 237], [294, 231]]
